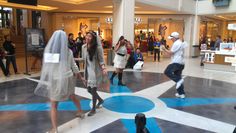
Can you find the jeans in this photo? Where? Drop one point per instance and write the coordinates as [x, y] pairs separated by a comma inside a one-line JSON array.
[[9, 60], [174, 72], [3, 68]]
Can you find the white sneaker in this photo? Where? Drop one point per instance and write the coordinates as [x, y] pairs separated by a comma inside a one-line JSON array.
[[179, 83], [182, 96], [179, 96]]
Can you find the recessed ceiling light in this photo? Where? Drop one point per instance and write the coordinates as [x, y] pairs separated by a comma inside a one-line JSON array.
[[112, 7]]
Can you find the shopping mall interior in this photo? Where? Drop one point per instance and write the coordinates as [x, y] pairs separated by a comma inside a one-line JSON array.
[[150, 99]]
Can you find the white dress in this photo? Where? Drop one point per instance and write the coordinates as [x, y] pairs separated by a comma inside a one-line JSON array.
[[60, 94], [93, 72], [119, 60]]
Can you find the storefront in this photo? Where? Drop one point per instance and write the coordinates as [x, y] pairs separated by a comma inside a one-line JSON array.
[[159, 26], [210, 28]]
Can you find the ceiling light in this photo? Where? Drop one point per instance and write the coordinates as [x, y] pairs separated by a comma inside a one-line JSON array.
[[112, 7], [38, 7], [75, 2]]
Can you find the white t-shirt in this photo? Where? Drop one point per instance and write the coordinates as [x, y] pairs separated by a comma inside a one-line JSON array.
[[178, 50]]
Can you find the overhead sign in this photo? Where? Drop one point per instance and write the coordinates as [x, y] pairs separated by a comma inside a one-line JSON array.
[[221, 3], [231, 26]]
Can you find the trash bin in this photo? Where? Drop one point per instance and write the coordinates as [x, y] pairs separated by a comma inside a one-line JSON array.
[[195, 51], [110, 57]]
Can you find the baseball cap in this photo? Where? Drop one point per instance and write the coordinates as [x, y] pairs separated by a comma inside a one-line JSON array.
[[173, 35]]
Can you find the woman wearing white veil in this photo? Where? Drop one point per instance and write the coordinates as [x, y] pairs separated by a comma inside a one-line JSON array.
[[57, 80], [95, 71]]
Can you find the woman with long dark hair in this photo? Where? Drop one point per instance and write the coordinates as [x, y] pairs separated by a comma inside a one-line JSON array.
[[120, 60], [92, 53]]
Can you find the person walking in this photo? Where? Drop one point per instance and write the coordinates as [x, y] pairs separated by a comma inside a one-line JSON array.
[[79, 41], [174, 70], [120, 60], [2, 56], [73, 47], [57, 80], [10, 56], [95, 71]]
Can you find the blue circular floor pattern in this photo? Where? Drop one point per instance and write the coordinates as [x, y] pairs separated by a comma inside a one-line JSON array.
[[128, 104]]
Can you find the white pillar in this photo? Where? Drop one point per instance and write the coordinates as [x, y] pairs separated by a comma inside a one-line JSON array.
[[188, 35], [123, 20], [196, 30], [25, 18], [191, 33]]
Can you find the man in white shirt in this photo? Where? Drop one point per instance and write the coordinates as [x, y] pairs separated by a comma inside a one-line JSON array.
[[174, 70]]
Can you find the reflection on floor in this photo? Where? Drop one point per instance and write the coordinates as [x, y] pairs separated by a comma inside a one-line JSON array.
[[208, 101]]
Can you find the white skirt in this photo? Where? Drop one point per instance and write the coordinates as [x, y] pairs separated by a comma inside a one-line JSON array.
[[120, 61]]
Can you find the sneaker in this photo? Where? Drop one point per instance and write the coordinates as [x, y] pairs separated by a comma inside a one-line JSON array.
[[179, 96], [179, 83], [91, 113], [80, 115], [182, 96]]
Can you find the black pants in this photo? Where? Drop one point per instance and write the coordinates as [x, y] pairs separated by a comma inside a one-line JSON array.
[[130, 62], [174, 72], [3, 68], [157, 54], [11, 59]]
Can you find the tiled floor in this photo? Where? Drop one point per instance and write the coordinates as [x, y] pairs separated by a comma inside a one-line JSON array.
[[209, 106]]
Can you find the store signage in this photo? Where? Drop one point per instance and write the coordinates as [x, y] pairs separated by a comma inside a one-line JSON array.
[[136, 20], [108, 20], [231, 60], [227, 46], [221, 3], [231, 26]]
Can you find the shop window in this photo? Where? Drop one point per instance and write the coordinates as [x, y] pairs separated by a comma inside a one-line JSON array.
[[5, 14]]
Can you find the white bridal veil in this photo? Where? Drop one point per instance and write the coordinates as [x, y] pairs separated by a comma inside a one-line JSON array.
[[55, 71]]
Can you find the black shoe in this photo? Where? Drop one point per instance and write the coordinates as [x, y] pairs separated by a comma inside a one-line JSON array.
[[91, 113], [121, 84], [99, 104], [111, 81]]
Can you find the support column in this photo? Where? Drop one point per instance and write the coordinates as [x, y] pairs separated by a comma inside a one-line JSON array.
[[123, 20], [191, 35], [188, 35], [196, 30]]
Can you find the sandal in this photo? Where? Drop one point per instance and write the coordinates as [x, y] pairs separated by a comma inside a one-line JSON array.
[[52, 131], [91, 113], [99, 104], [80, 115]]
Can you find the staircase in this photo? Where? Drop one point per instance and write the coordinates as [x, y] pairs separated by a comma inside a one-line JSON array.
[[20, 45]]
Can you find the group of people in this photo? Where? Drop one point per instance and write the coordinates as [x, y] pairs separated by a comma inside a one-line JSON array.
[[8, 53], [153, 44], [215, 42], [76, 45], [58, 76]]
